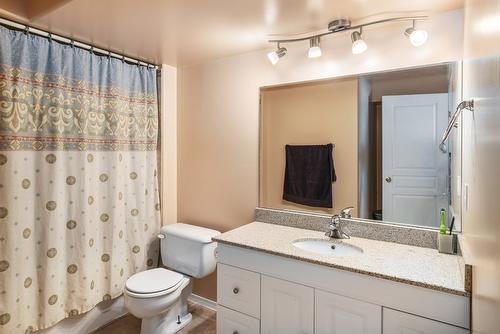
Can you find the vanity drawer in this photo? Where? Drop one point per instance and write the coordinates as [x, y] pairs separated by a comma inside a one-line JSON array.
[[238, 289], [232, 322], [396, 322]]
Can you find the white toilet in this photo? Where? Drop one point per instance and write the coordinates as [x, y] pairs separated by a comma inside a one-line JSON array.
[[159, 296]]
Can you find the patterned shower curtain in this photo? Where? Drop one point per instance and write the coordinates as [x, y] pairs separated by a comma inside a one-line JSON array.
[[79, 200]]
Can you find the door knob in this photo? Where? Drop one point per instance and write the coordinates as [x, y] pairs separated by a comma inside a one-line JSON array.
[[388, 179]]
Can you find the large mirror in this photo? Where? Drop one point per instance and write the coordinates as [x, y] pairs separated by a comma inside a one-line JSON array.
[[369, 141]]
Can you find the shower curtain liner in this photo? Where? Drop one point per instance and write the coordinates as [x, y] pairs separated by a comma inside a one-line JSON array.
[[79, 200]]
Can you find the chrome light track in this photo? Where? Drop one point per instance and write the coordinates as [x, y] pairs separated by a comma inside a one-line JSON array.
[[343, 24], [417, 37]]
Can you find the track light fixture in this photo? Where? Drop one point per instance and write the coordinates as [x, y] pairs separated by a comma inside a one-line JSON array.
[[417, 37], [358, 45], [314, 48], [275, 56]]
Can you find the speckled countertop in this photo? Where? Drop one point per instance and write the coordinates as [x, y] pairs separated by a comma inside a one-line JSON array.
[[413, 265]]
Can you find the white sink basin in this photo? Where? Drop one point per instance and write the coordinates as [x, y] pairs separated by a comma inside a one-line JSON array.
[[326, 247]]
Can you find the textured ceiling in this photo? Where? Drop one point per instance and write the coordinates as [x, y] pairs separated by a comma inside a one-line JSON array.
[[183, 32]]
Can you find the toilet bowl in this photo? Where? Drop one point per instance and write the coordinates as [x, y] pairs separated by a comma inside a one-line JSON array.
[[159, 296]]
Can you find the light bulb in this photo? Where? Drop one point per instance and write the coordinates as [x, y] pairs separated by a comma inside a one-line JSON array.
[[275, 56], [358, 45], [314, 52], [314, 49], [418, 37]]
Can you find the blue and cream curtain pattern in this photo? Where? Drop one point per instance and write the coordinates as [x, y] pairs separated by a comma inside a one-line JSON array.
[[79, 201]]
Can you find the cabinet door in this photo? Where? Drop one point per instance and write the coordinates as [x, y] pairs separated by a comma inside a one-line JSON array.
[[338, 315], [232, 322], [396, 322], [287, 308]]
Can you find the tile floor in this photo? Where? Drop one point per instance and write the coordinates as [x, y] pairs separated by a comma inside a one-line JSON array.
[[204, 322]]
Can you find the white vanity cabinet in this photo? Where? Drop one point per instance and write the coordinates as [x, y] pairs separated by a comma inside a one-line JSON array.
[[396, 322], [232, 322], [239, 290], [336, 314], [286, 307], [269, 294]]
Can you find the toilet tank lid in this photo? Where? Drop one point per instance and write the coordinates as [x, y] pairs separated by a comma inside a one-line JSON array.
[[189, 232]]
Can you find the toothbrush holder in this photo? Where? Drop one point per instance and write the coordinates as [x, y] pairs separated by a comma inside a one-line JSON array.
[[446, 243]]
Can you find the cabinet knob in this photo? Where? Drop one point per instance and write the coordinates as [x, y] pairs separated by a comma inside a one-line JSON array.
[[235, 332], [388, 179], [235, 291]]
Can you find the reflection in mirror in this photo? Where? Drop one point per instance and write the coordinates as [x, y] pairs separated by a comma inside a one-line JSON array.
[[384, 160]]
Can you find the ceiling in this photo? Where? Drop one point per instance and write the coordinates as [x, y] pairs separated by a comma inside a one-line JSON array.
[[185, 32]]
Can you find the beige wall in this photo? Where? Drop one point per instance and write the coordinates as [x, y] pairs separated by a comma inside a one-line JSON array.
[[168, 118], [218, 114], [316, 113], [425, 83], [481, 160]]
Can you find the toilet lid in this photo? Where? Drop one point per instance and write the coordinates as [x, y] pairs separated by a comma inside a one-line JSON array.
[[153, 280]]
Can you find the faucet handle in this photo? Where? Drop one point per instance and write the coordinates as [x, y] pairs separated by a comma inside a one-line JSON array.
[[334, 221], [346, 212]]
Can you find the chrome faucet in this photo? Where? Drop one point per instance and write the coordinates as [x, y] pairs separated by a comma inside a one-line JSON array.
[[335, 229]]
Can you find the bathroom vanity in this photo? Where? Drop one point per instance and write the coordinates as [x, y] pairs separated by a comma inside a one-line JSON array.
[[381, 131], [276, 279]]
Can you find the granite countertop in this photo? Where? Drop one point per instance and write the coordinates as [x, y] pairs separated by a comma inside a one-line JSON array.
[[424, 267]]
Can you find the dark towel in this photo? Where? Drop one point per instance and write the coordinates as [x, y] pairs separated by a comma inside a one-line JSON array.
[[309, 173]]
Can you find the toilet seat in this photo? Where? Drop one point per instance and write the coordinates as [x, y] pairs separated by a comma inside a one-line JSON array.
[[153, 283]]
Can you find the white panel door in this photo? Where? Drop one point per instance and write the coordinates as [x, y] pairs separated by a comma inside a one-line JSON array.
[[339, 315], [415, 170], [287, 308], [396, 322]]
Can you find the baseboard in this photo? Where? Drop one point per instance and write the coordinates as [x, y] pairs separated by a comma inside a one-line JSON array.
[[205, 302]]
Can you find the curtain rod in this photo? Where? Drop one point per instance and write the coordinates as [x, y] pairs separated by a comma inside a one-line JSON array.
[[66, 40]]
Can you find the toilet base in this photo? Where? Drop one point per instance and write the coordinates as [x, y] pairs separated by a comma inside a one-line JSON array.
[[184, 321], [174, 319], [161, 325]]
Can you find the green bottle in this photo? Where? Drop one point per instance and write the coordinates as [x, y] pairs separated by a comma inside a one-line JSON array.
[[442, 226]]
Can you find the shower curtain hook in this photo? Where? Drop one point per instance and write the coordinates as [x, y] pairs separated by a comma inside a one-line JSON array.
[[50, 37], [92, 49], [72, 43], [27, 30], [123, 59], [109, 55]]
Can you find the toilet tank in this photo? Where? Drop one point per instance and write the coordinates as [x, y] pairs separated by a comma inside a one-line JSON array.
[[188, 249]]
